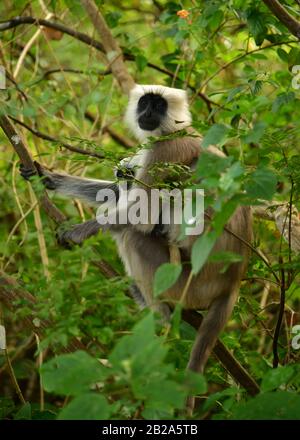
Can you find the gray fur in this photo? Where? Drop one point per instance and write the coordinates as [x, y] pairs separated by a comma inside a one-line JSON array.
[[81, 188]]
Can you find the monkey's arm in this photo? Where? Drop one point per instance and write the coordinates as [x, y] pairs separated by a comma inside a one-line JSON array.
[[75, 187]]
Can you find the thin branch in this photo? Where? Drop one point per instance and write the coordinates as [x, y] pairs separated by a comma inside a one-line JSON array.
[[84, 38], [13, 378], [119, 138], [17, 143], [12, 80], [111, 47], [47, 137], [239, 58], [284, 16], [279, 319], [17, 21]]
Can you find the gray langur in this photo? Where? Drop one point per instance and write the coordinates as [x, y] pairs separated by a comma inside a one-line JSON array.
[[159, 111]]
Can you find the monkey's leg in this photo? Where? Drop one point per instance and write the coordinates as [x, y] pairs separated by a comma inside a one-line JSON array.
[[212, 324], [76, 187]]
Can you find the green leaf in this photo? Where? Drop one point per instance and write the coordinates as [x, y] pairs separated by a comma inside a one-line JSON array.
[[128, 356], [24, 413], [262, 184], [43, 415], [293, 57], [282, 99], [75, 8], [165, 276], [281, 405], [215, 136], [283, 55], [162, 395], [71, 374], [256, 24], [225, 257], [256, 133], [201, 250], [195, 382], [89, 406], [220, 396], [141, 62], [113, 18], [276, 377]]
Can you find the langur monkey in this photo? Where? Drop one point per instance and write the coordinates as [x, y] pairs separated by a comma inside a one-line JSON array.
[[155, 111]]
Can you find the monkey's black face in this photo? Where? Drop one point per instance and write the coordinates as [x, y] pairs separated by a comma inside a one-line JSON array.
[[151, 110]]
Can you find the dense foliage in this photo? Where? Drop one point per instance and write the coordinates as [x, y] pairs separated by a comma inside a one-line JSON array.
[[237, 62]]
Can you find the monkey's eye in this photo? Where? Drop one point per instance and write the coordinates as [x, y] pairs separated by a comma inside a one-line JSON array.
[[160, 106], [143, 102]]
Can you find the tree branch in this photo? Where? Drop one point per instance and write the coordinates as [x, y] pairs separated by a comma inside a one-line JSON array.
[[17, 21], [47, 137], [111, 47], [52, 211], [284, 16], [84, 38], [287, 221], [119, 138], [280, 317]]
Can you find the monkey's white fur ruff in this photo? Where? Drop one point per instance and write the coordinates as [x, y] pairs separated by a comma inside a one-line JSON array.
[[178, 115]]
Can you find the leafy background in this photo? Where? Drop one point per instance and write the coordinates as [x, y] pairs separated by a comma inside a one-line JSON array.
[[235, 59]]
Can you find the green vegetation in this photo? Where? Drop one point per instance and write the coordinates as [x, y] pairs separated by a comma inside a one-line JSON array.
[[77, 345]]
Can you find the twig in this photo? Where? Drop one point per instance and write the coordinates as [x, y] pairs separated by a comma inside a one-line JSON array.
[[280, 316], [77, 71], [111, 47], [13, 378], [17, 21], [47, 137], [284, 17], [238, 58], [27, 48], [119, 138], [40, 233], [84, 38], [52, 211]]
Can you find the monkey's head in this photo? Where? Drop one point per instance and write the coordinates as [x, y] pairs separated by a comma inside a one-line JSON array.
[[157, 110]]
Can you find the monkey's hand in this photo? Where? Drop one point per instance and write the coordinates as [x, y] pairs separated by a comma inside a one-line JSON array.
[[125, 170], [62, 240], [28, 173], [66, 237], [77, 234]]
